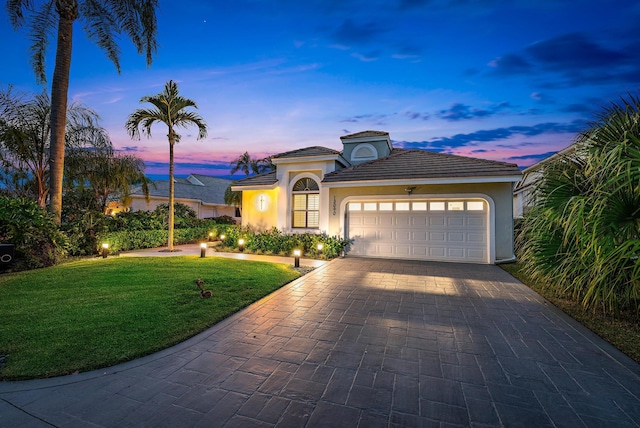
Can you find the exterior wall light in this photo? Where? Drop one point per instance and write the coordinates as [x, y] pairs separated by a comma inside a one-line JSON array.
[[296, 258], [241, 244], [105, 250], [203, 249]]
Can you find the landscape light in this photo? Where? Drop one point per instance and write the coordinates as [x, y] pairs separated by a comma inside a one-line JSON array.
[[105, 250], [203, 249], [241, 244], [210, 236], [296, 258], [320, 247]]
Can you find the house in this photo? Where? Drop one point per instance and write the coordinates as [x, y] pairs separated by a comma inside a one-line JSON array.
[[393, 203], [203, 193], [523, 198]]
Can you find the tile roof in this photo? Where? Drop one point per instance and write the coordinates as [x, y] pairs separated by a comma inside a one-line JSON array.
[[265, 179], [421, 164], [212, 192], [365, 134], [307, 151]]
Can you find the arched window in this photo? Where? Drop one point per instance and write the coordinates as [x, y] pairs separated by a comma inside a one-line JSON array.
[[306, 204], [364, 152]]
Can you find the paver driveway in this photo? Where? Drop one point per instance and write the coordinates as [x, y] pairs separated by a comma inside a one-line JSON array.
[[361, 342]]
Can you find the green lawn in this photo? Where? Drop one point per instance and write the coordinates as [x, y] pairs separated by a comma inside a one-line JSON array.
[[622, 330], [95, 313]]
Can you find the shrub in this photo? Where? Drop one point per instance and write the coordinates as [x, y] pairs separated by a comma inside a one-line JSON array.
[[582, 238], [275, 242], [37, 239]]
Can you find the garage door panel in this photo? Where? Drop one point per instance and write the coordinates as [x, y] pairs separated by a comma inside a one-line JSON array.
[[419, 251], [475, 237], [370, 220], [455, 237], [403, 250], [419, 233], [457, 253], [436, 251], [386, 234], [436, 221], [455, 221], [476, 253], [386, 221], [418, 221], [475, 221], [402, 235], [436, 236]]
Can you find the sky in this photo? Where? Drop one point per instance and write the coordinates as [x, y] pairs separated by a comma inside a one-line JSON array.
[[512, 81]]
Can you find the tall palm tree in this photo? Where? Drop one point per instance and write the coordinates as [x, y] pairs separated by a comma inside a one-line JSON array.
[[168, 108], [25, 135], [103, 21]]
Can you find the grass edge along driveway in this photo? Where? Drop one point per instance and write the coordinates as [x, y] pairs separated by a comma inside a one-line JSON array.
[[95, 313]]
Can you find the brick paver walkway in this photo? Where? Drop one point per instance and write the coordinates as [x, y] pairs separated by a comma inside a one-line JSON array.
[[361, 342]]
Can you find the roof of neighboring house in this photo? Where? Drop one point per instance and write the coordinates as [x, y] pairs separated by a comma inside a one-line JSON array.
[[307, 151], [420, 164], [206, 188], [532, 174]]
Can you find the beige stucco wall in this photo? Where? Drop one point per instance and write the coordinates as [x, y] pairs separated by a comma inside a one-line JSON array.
[[500, 193], [260, 209]]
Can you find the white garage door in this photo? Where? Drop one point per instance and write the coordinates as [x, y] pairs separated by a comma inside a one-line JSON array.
[[444, 230]]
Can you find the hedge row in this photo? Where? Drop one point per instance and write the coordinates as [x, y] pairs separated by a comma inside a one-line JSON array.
[[268, 242]]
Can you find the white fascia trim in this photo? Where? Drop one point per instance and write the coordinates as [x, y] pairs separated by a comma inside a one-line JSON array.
[[491, 224], [405, 181], [255, 187]]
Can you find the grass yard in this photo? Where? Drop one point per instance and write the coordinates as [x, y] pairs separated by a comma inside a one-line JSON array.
[[96, 313], [622, 331]]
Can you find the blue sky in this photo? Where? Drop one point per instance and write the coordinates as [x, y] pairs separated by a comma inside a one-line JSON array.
[[505, 80]]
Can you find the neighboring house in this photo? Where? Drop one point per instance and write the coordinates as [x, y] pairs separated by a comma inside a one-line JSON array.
[[203, 193], [523, 198], [393, 203]]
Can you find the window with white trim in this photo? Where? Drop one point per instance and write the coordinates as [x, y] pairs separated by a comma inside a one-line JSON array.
[[305, 204]]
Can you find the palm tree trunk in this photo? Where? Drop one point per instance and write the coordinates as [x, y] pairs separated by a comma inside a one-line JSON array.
[[68, 11], [171, 189]]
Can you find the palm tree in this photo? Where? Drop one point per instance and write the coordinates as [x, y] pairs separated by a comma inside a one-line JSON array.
[[243, 163], [264, 165], [248, 165], [168, 108], [105, 174], [25, 135], [103, 21]]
